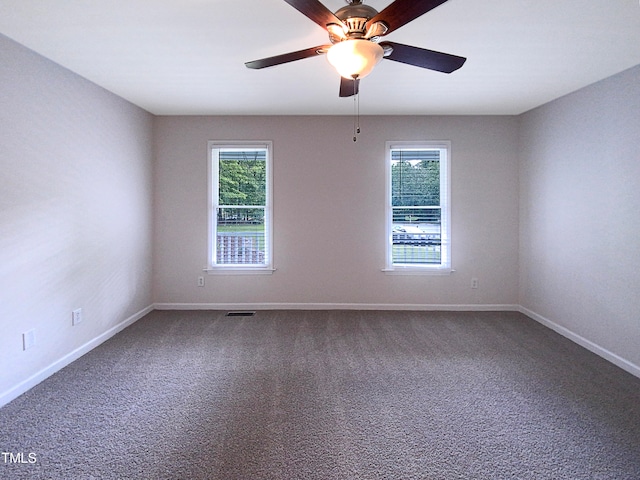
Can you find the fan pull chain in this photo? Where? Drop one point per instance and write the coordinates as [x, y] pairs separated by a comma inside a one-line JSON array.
[[356, 109]]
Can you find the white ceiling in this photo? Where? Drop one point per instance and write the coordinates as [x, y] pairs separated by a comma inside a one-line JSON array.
[[186, 57]]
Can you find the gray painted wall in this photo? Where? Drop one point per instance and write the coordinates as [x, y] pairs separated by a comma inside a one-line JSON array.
[[75, 211], [329, 212], [580, 214]]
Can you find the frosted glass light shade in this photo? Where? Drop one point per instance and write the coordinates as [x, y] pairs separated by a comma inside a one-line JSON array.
[[355, 57]]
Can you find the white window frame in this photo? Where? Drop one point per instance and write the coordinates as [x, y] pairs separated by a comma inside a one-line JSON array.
[[444, 267], [213, 268]]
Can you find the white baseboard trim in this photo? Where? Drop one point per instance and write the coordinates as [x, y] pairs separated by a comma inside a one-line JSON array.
[[46, 372], [336, 306], [583, 342]]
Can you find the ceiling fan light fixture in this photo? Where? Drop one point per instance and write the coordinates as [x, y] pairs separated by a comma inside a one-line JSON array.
[[355, 58]]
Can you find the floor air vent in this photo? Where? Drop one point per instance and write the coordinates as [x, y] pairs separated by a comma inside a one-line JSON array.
[[240, 314]]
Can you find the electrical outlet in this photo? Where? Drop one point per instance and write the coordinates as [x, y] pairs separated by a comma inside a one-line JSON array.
[[28, 339], [474, 283], [76, 316], [201, 281]]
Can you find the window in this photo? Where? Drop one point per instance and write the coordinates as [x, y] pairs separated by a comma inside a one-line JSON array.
[[240, 207], [418, 213]]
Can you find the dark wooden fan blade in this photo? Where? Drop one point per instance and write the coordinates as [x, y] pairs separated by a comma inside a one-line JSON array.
[[316, 11], [420, 57], [401, 12], [348, 87], [288, 57]]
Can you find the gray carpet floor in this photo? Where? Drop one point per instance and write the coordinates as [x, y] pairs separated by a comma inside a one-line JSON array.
[[330, 395]]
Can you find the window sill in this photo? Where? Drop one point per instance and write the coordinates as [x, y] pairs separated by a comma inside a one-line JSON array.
[[416, 271], [239, 271]]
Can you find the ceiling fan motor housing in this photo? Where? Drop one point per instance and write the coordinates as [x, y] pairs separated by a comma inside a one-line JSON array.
[[355, 17]]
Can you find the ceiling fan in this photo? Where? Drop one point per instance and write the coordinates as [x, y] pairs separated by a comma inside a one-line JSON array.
[[355, 32]]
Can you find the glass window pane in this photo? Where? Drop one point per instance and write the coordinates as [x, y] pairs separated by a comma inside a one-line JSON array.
[[416, 235], [242, 177], [240, 236], [415, 177]]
